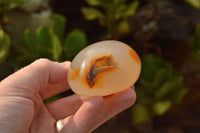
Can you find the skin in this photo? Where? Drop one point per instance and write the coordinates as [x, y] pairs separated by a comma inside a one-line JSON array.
[[22, 109]]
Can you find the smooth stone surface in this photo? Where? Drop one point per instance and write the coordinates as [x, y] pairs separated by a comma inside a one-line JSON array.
[[104, 68]]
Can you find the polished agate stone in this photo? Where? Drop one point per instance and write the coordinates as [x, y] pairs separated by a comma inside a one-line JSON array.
[[104, 68]]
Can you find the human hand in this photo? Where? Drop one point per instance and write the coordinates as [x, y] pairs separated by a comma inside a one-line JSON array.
[[22, 109]]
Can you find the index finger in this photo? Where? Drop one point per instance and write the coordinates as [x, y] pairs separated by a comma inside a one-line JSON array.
[[35, 76], [115, 104]]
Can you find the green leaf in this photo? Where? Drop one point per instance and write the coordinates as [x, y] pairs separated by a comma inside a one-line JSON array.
[[26, 58], [195, 42], [45, 45], [123, 27], [162, 107], [44, 37], [48, 45], [161, 76], [58, 26], [4, 45], [75, 41], [94, 2], [120, 2], [6, 5], [140, 113], [32, 2], [57, 48], [43, 52], [29, 40], [92, 13], [118, 12], [195, 3], [167, 89], [161, 85], [150, 66], [131, 9], [53, 98], [11, 1], [179, 94]]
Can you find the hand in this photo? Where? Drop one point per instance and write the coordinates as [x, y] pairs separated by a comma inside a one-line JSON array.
[[22, 109]]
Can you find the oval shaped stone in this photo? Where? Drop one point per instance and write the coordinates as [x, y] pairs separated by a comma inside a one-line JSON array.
[[104, 68]]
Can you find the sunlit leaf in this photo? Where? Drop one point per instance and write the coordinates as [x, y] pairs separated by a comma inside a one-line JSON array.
[[29, 40], [4, 45], [195, 42], [161, 85], [118, 12], [43, 36], [123, 27], [92, 13], [111, 14], [162, 107], [57, 48], [195, 3], [75, 41], [6, 5], [58, 26], [140, 113], [120, 2], [167, 88], [131, 8], [93, 2], [43, 52]]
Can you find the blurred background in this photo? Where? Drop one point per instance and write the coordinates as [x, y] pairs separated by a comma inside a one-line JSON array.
[[165, 33]]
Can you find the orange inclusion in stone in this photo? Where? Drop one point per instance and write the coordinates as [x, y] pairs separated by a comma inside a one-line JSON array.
[[98, 67], [134, 55], [74, 73]]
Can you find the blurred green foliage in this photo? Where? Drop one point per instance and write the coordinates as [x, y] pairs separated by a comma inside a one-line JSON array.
[[50, 42], [195, 42], [4, 45], [161, 87], [7, 5], [112, 14], [194, 3]]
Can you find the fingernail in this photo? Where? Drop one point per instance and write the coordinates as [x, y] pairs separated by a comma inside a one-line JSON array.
[[65, 64]]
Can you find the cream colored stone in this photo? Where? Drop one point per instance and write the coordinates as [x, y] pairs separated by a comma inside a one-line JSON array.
[[104, 68]]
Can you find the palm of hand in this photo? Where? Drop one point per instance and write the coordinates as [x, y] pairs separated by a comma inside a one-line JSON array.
[[22, 95]]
